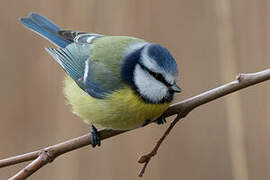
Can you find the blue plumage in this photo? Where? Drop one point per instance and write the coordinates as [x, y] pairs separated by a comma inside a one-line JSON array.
[[78, 67], [128, 67], [69, 55], [73, 65], [90, 86], [45, 28], [101, 65], [163, 58], [126, 80]]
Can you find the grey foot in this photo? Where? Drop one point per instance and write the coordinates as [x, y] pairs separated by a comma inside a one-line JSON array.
[[161, 120], [146, 122], [95, 137]]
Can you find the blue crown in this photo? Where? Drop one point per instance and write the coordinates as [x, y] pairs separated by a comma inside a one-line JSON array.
[[163, 58]]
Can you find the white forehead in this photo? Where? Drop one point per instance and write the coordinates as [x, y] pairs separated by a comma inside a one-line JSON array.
[[133, 47], [151, 64]]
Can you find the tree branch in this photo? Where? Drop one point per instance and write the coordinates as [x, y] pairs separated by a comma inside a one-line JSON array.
[[48, 154]]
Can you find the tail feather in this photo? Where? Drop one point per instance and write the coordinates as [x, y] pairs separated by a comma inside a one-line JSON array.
[[45, 28]]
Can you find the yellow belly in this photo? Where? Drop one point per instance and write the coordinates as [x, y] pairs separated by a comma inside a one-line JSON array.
[[121, 110]]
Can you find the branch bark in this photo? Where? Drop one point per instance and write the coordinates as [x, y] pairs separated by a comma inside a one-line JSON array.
[[48, 154]]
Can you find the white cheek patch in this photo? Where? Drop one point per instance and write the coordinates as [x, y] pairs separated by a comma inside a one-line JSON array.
[[148, 86]]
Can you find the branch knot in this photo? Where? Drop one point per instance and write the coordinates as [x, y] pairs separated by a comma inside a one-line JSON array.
[[47, 155]]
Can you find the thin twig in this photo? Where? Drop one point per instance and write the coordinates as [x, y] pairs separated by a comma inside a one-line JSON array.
[[35, 165], [146, 158], [182, 108]]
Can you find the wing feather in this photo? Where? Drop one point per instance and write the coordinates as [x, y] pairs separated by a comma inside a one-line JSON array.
[[94, 63], [79, 69]]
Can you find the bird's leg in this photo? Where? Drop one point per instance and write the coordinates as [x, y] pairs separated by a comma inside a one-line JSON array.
[[161, 120], [146, 122], [95, 137]]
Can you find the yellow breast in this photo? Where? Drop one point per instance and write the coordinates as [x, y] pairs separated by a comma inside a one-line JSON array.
[[122, 109]]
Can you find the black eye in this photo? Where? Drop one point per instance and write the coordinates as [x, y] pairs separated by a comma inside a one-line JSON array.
[[159, 77]]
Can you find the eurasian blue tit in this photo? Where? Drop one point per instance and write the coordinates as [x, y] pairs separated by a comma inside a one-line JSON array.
[[118, 82]]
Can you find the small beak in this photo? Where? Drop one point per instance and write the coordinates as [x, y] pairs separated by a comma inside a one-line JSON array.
[[176, 88]]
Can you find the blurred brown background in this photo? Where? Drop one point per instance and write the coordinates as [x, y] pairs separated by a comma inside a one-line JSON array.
[[212, 41]]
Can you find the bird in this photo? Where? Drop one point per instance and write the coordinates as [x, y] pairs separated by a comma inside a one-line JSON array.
[[116, 82]]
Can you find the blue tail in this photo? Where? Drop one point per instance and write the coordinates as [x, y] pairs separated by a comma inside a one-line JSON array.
[[45, 28]]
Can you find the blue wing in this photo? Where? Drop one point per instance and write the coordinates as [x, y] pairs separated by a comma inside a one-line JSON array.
[[45, 28], [73, 65], [75, 60], [73, 53]]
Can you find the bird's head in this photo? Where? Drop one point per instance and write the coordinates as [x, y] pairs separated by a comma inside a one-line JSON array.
[[151, 70]]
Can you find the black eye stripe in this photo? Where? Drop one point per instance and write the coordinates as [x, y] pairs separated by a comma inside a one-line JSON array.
[[157, 76]]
